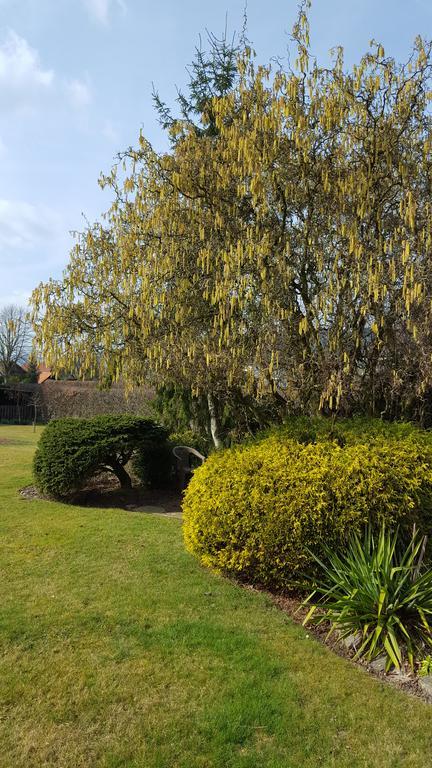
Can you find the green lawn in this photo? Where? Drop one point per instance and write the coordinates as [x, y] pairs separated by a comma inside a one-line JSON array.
[[118, 650]]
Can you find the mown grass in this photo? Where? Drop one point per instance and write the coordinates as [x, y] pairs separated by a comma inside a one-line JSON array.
[[118, 650]]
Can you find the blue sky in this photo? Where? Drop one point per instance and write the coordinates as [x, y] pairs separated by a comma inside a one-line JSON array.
[[75, 87]]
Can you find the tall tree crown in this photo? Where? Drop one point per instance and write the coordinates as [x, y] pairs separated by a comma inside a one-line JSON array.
[[212, 75], [291, 254]]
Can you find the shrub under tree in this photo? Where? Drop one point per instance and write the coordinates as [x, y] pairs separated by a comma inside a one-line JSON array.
[[71, 451], [258, 510]]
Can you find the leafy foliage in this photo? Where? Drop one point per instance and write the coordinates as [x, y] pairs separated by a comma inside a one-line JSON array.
[[378, 589], [176, 407], [239, 415], [425, 667], [347, 431], [258, 509], [191, 439], [71, 451], [32, 370], [153, 464], [290, 252], [212, 75]]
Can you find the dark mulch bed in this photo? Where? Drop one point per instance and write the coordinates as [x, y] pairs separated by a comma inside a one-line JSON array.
[[103, 491]]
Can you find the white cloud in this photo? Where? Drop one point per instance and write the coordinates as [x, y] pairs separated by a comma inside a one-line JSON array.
[[100, 9], [23, 79], [79, 93], [21, 74], [23, 225], [21, 298]]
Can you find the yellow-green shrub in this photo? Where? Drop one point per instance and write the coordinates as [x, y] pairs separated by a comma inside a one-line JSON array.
[[255, 510]]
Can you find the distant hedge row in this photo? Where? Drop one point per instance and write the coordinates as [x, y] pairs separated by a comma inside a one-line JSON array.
[[257, 510]]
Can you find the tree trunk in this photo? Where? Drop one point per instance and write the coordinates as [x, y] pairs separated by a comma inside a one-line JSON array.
[[214, 421], [120, 473]]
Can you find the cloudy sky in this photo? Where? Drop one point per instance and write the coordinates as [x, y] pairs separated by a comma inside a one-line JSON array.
[[75, 87]]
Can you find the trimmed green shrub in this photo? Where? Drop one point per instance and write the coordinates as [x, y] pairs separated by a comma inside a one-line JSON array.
[[345, 431], [380, 591], [258, 509], [71, 451], [154, 464]]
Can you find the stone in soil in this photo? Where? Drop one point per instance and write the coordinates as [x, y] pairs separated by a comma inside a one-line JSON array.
[[400, 676], [352, 642], [378, 664], [30, 492], [425, 684]]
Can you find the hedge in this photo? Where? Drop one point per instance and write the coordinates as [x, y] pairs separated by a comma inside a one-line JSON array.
[[71, 450], [257, 510]]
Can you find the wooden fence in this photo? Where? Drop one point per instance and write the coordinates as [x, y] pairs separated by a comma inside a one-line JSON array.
[[17, 414]]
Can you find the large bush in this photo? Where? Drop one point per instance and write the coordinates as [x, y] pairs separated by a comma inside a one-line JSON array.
[[346, 431], [256, 510], [71, 451]]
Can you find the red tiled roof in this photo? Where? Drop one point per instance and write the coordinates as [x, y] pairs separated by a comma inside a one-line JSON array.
[[43, 375]]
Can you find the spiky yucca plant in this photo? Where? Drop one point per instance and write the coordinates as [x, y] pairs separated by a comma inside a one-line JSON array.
[[379, 589]]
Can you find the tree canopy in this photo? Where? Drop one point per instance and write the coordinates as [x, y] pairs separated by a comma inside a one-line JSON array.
[[287, 251], [212, 74]]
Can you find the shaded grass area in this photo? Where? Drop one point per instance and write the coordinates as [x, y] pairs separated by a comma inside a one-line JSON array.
[[118, 650]]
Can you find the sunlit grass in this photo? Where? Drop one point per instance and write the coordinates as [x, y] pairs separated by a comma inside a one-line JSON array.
[[118, 650]]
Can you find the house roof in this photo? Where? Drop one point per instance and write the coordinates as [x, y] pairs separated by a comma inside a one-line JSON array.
[[44, 376], [16, 369], [44, 373]]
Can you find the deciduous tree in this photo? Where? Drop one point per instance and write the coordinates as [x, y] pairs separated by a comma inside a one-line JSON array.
[[286, 252], [15, 338]]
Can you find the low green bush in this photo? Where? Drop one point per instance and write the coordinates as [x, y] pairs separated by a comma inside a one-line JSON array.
[[154, 464], [380, 591], [345, 431], [71, 450], [425, 666], [257, 510]]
